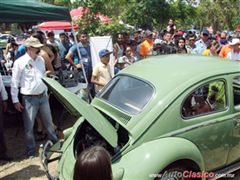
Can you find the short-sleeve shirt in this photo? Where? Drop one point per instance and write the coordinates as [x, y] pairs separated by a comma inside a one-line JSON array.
[[103, 74], [233, 56]]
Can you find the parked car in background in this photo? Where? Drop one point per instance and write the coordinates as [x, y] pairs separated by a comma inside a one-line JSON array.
[[21, 39], [162, 117], [4, 40]]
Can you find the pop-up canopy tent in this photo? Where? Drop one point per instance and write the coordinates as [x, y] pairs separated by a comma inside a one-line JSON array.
[[16, 11]]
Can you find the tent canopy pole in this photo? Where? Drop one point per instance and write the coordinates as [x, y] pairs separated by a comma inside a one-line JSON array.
[[79, 54]]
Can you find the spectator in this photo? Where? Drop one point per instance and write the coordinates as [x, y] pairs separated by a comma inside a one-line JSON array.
[[45, 52], [101, 72], [84, 48], [34, 93], [127, 40], [223, 39], [146, 47], [11, 57], [21, 50], [52, 40], [167, 46], [224, 51], [202, 43], [64, 46], [9, 46], [171, 28], [136, 39], [128, 59], [118, 48], [73, 58], [3, 108], [212, 50], [181, 49], [56, 63], [93, 163], [190, 45], [234, 54]]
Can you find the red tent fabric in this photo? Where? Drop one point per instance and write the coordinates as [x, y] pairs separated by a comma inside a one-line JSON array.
[[238, 28], [56, 25], [77, 13]]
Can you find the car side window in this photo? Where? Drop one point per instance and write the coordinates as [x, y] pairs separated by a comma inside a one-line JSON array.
[[208, 98], [236, 91]]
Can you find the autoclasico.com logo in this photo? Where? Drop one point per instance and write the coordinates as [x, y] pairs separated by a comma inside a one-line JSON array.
[[190, 174]]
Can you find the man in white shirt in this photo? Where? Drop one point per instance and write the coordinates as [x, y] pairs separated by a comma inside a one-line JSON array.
[[3, 108], [202, 43], [27, 73]]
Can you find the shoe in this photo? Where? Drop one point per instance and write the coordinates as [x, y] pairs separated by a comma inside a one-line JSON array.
[[41, 136], [31, 157], [31, 154], [59, 133], [5, 157]]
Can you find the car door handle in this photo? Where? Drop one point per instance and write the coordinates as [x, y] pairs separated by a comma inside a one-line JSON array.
[[236, 122]]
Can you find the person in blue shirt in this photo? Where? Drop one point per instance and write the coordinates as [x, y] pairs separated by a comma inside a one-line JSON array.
[[75, 61], [64, 46]]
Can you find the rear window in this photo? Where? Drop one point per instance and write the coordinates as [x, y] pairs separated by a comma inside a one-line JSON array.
[[128, 94]]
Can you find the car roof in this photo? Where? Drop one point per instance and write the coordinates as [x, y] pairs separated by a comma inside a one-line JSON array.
[[172, 70]]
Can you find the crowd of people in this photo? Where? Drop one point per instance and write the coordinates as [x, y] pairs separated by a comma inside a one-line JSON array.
[[43, 54]]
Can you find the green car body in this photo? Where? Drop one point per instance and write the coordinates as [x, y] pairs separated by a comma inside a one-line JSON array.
[[146, 129]]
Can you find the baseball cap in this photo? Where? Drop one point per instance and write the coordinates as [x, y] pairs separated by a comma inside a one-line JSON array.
[[104, 52], [148, 33], [205, 31], [33, 42]]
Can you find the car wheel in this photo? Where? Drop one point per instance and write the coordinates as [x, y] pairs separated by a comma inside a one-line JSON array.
[[173, 173]]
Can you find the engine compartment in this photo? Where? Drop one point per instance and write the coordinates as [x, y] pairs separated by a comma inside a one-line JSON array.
[[86, 137]]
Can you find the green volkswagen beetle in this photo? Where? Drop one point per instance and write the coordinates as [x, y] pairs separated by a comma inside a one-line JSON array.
[[175, 116]]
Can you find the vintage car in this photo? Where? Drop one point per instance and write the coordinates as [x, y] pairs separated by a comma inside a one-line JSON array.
[[162, 117]]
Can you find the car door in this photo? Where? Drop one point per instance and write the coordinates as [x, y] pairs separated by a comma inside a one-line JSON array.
[[234, 154], [209, 127]]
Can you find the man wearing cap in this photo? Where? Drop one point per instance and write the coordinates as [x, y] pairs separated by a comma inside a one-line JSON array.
[[101, 72], [27, 73], [146, 47], [202, 43]]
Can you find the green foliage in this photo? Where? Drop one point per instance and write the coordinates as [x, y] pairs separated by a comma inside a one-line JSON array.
[[219, 14], [91, 24], [154, 14]]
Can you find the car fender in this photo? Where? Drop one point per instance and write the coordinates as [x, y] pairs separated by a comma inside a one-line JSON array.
[[152, 157]]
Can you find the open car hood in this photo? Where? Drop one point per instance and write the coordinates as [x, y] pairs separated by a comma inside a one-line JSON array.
[[77, 107]]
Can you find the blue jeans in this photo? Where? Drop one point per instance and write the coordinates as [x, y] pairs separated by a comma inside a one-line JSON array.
[[33, 104]]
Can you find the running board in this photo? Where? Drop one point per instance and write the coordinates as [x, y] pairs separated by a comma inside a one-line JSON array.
[[226, 172]]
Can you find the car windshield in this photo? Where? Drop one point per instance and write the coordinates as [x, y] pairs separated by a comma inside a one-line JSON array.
[[127, 93]]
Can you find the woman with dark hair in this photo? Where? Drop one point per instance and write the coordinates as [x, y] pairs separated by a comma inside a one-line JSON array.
[[181, 49], [93, 163], [56, 63]]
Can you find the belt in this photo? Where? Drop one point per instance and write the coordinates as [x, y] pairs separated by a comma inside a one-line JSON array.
[[35, 95]]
